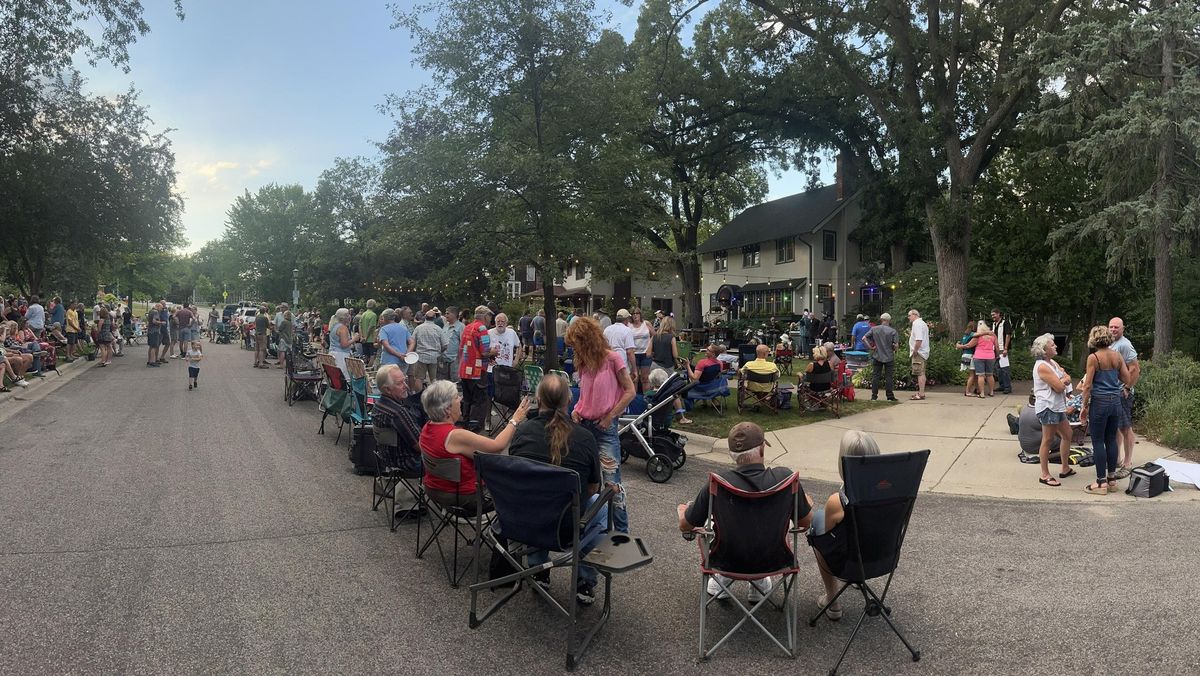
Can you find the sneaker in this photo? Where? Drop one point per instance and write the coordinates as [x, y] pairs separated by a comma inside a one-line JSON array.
[[833, 612], [21, 382], [1013, 424], [542, 579], [760, 588], [714, 589], [585, 593], [189, 386]]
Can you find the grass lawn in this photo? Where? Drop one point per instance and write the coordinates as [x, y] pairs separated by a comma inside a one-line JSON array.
[[706, 421]]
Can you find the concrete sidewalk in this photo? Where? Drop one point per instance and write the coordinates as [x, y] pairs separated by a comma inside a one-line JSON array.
[[972, 450]]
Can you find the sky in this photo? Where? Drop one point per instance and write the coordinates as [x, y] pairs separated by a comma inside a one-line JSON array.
[[272, 91]]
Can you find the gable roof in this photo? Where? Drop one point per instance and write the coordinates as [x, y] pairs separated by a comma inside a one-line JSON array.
[[785, 217]]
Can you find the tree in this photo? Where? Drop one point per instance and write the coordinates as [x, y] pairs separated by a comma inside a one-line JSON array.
[[505, 160], [268, 230], [941, 88], [1131, 79]]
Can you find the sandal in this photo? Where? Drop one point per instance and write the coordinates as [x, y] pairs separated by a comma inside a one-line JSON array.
[[1064, 476], [917, 397], [1096, 489], [1050, 481], [684, 421], [5, 389]]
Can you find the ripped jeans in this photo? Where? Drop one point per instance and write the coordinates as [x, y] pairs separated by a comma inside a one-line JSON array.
[[610, 469]]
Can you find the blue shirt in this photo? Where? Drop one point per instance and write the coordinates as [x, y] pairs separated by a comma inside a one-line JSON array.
[[860, 329], [396, 334], [59, 316]]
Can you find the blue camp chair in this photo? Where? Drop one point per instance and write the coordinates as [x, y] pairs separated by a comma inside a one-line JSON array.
[[711, 387]]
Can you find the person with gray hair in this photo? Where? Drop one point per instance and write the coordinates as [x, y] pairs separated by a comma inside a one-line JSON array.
[[747, 443], [400, 411], [918, 350], [1051, 385], [442, 439], [855, 443], [453, 329], [883, 342], [429, 342], [341, 341], [394, 340]]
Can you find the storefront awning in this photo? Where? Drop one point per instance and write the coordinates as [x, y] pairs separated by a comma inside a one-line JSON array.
[[776, 285]]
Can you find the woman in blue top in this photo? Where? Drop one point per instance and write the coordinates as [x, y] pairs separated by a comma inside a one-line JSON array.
[[341, 342], [967, 345], [1102, 388]]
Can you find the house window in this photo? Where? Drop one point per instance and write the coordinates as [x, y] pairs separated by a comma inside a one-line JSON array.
[[830, 237], [663, 304], [771, 303], [750, 256], [785, 250], [530, 273], [514, 289], [824, 292], [579, 270], [720, 261], [872, 295]]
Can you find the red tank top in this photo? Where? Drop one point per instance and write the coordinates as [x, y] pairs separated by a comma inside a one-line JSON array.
[[433, 442]]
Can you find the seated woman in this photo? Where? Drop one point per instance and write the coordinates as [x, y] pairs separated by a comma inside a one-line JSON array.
[[855, 443], [552, 437], [710, 367], [6, 369], [440, 438], [19, 357], [835, 362], [35, 344], [818, 366]]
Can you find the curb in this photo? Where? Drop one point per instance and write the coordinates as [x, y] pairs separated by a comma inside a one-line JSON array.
[[12, 403]]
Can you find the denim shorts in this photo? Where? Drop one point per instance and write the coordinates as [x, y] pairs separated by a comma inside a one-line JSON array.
[[983, 367], [1126, 412], [643, 361], [1048, 417]]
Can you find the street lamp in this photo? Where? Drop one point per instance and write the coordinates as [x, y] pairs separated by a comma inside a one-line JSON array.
[[295, 287]]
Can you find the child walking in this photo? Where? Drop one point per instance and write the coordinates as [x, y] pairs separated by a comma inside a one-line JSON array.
[[194, 355]]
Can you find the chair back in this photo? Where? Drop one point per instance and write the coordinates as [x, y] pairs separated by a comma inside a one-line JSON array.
[[507, 382], [385, 436], [709, 374], [533, 376], [880, 493], [763, 378], [751, 527], [446, 469], [323, 358], [337, 379], [534, 500], [819, 378], [356, 368]]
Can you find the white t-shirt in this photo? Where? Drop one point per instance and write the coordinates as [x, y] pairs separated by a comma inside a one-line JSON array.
[[920, 331], [641, 337], [508, 345], [620, 338]]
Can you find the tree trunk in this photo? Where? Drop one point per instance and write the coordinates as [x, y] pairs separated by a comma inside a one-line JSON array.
[[1166, 195], [550, 306], [950, 230], [689, 274], [899, 251]]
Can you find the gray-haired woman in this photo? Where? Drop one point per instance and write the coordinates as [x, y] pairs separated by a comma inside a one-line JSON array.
[[341, 341], [1051, 385], [441, 438]]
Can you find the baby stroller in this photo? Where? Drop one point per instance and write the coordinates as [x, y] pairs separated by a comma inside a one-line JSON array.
[[648, 435], [224, 334]]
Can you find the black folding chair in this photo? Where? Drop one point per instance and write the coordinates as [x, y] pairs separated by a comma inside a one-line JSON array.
[[458, 513], [300, 381], [880, 493], [537, 508], [821, 398], [750, 535], [391, 473], [766, 394], [507, 383]]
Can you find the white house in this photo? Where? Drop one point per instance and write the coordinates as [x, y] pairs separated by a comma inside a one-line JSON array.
[[584, 291], [782, 256]]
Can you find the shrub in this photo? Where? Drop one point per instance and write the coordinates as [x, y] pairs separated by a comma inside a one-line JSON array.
[[941, 369], [1167, 407]]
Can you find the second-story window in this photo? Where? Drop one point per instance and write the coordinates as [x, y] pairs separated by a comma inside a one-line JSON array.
[[750, 256], [720, 261]]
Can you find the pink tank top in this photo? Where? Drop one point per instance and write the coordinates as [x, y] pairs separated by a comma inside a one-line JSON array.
[[599, 391]]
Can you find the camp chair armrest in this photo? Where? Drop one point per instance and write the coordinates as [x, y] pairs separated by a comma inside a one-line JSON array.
[[606, 497]]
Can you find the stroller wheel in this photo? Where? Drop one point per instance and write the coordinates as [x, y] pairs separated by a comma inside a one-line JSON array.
[[624, 454], [659, 469], [680, 459]]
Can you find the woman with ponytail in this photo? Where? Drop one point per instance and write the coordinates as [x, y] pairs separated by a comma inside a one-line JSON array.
[[551, 436]]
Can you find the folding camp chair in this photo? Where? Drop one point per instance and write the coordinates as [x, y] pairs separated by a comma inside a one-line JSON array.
[[783, 359], [390, 474], [711, 387], [814, 400], [506, 395], [533, 377], [299, 381], [879, 496], [766, 394], [538, 509], [360, 387], [752, 536], [457, 514], [336, 400]]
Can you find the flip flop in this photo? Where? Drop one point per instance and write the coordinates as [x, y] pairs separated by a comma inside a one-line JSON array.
[[1064, 476], [916, 397], [1048, 481]]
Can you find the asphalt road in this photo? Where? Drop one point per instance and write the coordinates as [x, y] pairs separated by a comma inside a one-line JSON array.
[[148, 529]]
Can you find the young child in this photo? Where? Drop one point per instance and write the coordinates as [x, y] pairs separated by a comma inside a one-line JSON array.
[[194, 355]]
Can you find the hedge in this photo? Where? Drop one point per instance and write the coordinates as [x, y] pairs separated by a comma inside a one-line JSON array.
[[1167, 406], [943, 366]]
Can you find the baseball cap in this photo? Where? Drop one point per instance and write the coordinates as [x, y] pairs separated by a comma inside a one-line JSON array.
[[746, 436], [622, 314]]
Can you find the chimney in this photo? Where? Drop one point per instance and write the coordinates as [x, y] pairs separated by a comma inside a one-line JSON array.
[[843, 176]]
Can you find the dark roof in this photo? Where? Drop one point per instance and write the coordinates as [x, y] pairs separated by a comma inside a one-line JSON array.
[[784, 217], [781, 284]]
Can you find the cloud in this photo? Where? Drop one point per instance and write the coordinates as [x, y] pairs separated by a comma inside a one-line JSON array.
[[258, 166], [211, 170]]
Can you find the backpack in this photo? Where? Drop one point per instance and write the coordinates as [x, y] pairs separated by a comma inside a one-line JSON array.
[[1148, 481]]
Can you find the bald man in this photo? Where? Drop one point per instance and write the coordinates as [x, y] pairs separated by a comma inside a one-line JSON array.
[[761, 365], [1125, 438]]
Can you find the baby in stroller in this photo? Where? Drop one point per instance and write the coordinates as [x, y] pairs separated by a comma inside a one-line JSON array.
[[648, 434]]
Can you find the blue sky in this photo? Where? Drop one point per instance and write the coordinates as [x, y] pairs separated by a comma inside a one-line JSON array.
[[271, 91]]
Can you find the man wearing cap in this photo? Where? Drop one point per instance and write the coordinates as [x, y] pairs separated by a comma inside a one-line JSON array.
[[883, 341], [858, 331], [746, 446], [603, 318], [620, 338], [475, 352]]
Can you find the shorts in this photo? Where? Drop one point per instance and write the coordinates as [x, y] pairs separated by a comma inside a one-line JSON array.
[[983, 367], [154, 338], [72, 338], [174, 336], [193, 371], [527, 338], [426, 372], [185, 336], [284, 346], [918, 365], [164, 334], [1126, 412], [643, 361], [1048, 417]]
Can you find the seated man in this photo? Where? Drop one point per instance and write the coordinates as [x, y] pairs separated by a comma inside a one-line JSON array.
[[398, 410], [761, 365], [1029, 431], [552, 437], [746, 446]]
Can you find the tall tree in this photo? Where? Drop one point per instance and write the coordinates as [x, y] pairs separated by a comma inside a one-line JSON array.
[[505, 157], [946, 82], [269, 229], [1131, 79]]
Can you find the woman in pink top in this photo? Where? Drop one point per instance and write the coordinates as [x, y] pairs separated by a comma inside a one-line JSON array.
[[605, 389], [985, 359]]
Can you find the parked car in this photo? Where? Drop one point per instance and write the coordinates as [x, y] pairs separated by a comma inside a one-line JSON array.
[[228, 311]]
